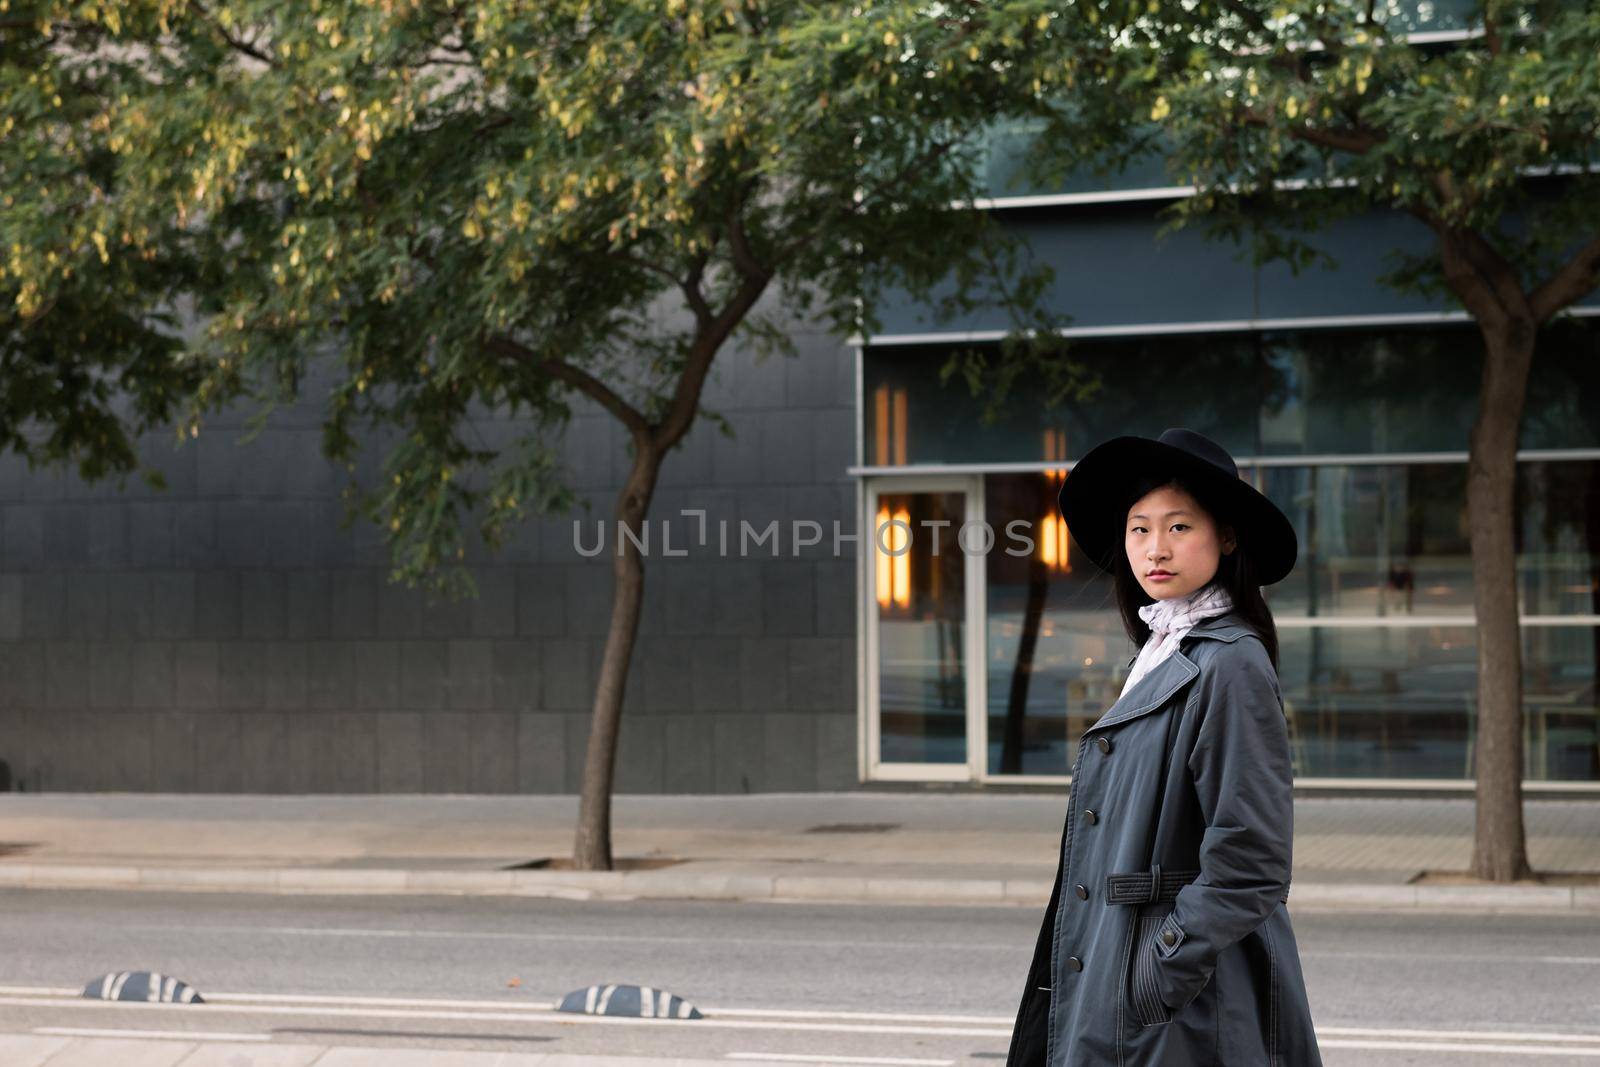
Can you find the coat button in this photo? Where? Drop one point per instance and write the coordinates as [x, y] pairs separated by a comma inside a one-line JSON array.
[[1088, 813], [1075, 963], [1083, 892], [1168, 937], [1104, 743]]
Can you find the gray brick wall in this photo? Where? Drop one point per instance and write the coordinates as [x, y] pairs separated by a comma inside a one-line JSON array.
[[224, 635]]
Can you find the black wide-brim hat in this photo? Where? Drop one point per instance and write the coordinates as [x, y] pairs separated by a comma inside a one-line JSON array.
[[1097, 494]]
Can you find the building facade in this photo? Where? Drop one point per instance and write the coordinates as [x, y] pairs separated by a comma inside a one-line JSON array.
[[1346, 402], [227, 635]]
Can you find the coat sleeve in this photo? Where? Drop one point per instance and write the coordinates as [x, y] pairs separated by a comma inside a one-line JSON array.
[[1244, 779]]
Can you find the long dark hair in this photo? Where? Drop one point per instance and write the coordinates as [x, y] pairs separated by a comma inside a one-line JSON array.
[[1236, 570]]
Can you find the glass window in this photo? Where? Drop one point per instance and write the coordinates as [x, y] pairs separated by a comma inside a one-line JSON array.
[[1365, 701], [1382, 540], [1340, 391], [1052, 648], [1401, 701], [1281, 393], [1375, 540], [919, 591], [1379, 701], [910, 417]]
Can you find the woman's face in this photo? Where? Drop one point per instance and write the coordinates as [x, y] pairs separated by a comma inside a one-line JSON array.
[[1173, 546]]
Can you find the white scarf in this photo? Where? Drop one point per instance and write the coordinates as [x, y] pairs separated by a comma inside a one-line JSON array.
[[1169, 620]]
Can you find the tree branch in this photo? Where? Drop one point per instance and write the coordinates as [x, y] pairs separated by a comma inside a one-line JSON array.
[[1480, 276], [686, 398], [238, 44], [1576, 278], [738, 242], [928, 158], [645, 264], [576, 377], [1491, 31], [1357, 140], [693, 293]]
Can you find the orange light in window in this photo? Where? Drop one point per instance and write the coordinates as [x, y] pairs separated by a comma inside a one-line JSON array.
[[1055, 449], [890, 542], [889, 407], [1053, 544]]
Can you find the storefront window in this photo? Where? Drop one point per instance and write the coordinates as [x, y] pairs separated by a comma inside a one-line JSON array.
[[1271, 394], [1389, 698]]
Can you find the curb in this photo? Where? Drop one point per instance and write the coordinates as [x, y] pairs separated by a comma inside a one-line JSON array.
[[669, 885], [568, 885]]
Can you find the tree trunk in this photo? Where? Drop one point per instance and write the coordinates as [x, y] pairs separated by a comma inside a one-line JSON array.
[[592, 846], [1499, 846]]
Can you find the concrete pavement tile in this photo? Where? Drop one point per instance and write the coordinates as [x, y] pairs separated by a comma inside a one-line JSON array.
[[124, 1052], [460, 881], [60, 875], [22, 1050], [601, 880], [704, 886], [1369, 896], [244, 879], [235, 1054], [567, 1059], [935, 889], [556, 892], [1585, 898], [342, 880], [1028, 890], [818, 887], [1494, 896]]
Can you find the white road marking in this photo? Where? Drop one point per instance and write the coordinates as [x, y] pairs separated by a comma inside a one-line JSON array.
[[498, 935], [1387, 1038], [1462, 1046], [535, 1007], [1581, 961], [1457, 1035], [569, 1018], [154, 1035], [812, 1058]]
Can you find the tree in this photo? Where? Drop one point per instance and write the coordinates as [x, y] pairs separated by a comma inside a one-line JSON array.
[[500, 203], [89, 352], [1286, 115]]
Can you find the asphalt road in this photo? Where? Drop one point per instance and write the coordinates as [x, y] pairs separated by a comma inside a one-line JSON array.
[[827, 983]]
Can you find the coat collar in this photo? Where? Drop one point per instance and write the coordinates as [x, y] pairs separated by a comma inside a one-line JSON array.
[[1172, 673]]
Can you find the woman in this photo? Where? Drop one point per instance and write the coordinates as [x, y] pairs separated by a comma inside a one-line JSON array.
[[1166, 940]]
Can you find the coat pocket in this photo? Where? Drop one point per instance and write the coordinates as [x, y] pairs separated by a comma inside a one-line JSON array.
[[1143, 993]]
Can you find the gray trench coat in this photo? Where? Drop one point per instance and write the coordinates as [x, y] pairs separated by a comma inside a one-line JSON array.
[[1166, 940]]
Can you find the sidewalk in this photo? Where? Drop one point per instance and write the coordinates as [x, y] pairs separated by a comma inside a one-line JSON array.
[[861, 846]]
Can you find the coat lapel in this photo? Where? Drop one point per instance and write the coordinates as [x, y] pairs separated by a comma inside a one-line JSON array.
[[1171, 674], [1151, 691]]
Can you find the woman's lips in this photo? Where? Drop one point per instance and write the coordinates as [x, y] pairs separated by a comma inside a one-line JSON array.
[[1159, 576]]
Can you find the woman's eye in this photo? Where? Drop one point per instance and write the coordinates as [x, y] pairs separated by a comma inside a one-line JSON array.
[[1178, 524]]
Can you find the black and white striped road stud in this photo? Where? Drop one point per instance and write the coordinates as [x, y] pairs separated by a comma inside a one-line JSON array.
[[147, 986], [639, 1002]]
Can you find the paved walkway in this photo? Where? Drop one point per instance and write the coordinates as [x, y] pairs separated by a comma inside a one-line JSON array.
[[978, 848]]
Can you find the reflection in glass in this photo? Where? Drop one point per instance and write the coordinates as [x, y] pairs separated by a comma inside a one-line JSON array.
[[1364, 701], [1378, 702], [1375, 541], [1381, 540], [1055, 655], [920, 601], [1272, 393], [1400, 701]]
